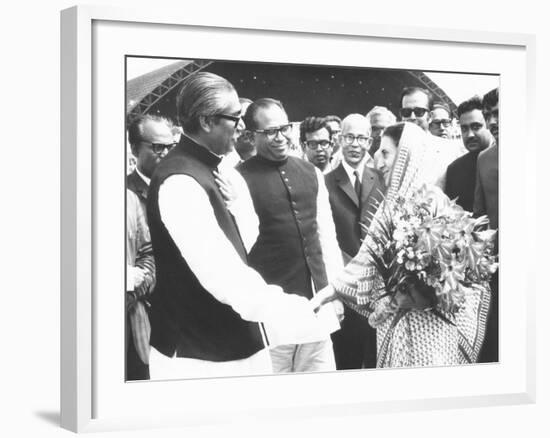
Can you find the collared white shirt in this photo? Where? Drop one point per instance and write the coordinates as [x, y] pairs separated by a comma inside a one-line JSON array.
[[350, 171]]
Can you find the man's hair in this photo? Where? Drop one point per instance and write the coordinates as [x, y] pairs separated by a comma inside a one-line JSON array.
[[312, 124], [407, 91], [245, 100], [394, 132], [490, 99], [333, 118], [135, 126], [381, 111], [250, 116], [443, 106], [198, 96], [473, 103]]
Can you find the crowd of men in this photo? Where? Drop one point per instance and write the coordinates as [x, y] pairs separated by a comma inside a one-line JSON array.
[[232, 227]]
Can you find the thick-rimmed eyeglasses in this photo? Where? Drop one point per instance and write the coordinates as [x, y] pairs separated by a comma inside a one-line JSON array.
[[159, 148], [235, 119], [361, 139], [314, 144], [441, 122], [271, 133], [418, 112]]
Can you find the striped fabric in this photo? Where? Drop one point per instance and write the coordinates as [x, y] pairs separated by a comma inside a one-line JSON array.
[[416, 338]]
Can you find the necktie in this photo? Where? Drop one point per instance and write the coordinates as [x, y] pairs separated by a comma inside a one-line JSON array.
[[357, 184]]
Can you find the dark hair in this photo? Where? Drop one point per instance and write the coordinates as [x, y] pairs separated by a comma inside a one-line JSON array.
[[407, 91], [312, 124], [473, 103], [198, 96], [394, 132], [263, 103], [333, 118], [135, 127], [490, 99]]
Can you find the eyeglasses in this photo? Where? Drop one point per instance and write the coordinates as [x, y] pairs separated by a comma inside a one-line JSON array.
[[159, 148], [418, 112], [235, 119], [361, 139], [441, 122], [314, 144], [271, 133]]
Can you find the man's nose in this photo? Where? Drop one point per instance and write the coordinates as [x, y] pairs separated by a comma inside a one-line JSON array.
[[241, 126]]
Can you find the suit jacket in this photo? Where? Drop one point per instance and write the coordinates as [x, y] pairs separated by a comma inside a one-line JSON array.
[[349, 212], [461, 180], [486, 191], [135, 183]]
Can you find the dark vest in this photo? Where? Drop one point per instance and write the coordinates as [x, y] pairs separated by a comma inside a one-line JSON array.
[[185, 317], [288, 251]]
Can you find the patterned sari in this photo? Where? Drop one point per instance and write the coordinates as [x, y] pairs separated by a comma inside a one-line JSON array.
[[414, 337]]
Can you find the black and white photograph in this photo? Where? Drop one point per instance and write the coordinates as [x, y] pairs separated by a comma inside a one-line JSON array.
[[298, 218]]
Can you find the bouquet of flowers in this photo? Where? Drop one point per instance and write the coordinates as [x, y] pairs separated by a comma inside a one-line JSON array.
[[428, 251]]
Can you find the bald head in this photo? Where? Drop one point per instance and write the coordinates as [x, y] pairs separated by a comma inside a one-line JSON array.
[[356, 122]]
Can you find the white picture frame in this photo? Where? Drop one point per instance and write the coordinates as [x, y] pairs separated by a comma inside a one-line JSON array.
[[90, 401]]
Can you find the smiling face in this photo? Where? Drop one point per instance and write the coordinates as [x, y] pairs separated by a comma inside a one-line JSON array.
[[274, 148], [385, 157], [222, 133], [475, 134]]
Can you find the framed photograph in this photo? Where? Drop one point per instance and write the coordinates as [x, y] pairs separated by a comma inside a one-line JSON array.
[[118, 65]]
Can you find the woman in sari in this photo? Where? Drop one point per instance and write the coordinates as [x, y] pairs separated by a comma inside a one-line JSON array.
[[409, 332]]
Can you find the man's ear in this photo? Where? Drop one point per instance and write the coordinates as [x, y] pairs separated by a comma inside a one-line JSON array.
[[135, 150], [206, 123], [249, 136]]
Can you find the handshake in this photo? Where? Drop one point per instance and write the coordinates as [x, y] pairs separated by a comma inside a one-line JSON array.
[[328, 295]]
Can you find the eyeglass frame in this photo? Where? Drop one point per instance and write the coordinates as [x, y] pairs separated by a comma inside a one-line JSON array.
[[278, 130], [153, 146], [414, 110], [368, 139], [317, 144], [446, 123], [235, 119]]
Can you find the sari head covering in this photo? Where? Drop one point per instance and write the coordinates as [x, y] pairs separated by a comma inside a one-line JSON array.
[[419, 337]]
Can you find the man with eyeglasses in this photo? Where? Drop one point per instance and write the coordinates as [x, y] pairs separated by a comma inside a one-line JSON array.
[[150, 137], [461, 173], [440, 121], [355, 191], [415, 107], [209, 310], [316, 140], [296, 247]]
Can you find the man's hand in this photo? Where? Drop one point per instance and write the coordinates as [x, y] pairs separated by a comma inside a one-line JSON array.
[[226, 188], [325, 295], [338, 309]]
